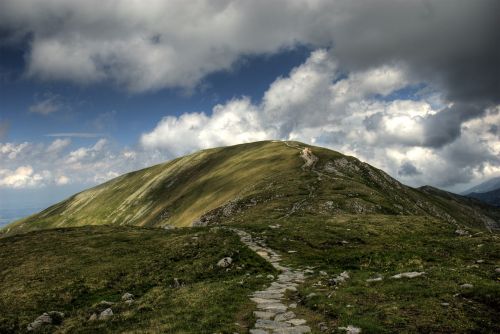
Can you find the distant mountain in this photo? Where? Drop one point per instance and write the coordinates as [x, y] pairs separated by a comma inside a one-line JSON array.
[[275, 178], [490, 197], [489, 185]]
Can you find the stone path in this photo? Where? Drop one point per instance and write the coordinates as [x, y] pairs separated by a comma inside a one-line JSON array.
[[274, 314]]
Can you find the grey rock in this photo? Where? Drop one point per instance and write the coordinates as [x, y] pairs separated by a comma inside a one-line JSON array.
[[351, 329], [47, 318], [296, 322], [258, 331], [497, 270], [93, 317], [127, 296], [411, 274], [270, 324], [293, 330], [264, 315], [466, 286], [225, 262], [105, 303], [461, 232], [106, 314], [44, 319], [375, 279], [285, 316]]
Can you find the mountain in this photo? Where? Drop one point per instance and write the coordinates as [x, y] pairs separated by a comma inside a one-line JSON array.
[[491, 197], [487, 186], [279, 237], [277, 178]]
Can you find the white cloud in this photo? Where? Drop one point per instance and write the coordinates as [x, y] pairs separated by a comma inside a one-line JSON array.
[[49, 104], [176, 43], [318, 105], [62, 180], [21, 177], [237, 121], [58, 145]]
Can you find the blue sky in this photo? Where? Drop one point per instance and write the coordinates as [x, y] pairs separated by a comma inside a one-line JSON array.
[[89, 91]]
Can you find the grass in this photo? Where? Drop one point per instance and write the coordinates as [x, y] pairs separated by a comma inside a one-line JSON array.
[[73, 270], [371, 245], [357, 219]]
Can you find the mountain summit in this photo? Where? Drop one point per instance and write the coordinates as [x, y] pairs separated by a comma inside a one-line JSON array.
[[274, 178]]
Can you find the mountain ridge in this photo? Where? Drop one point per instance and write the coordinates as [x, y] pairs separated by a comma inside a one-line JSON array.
[[287, 177]]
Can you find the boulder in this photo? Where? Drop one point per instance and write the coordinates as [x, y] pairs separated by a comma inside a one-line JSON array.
[[127, 296], [106, 314], [225, 262], [47, 318], [44, 319]]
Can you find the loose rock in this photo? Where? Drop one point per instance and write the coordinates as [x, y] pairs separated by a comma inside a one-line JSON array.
[[461, 232], [106, 314], [127, 296], [411, 274], [225, 262], [44, 319], [466, 286], [351, 329]]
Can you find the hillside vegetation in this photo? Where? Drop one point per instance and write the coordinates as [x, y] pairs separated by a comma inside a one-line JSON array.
[[208, 185], [323, 242]]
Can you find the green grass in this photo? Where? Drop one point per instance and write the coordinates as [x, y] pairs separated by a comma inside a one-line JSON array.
[[73, 270], [388, 245], [357, 219]]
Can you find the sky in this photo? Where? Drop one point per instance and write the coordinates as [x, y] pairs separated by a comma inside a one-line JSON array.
[[93, 89]]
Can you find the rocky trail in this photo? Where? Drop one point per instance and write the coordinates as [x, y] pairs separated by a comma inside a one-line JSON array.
[[274, 312]]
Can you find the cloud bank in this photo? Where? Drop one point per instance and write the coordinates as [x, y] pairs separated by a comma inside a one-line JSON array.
[[452, 43], [413, 139]]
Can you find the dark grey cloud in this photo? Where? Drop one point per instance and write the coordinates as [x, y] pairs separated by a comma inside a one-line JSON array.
[[408, 169], [445, 126], [448, 43]]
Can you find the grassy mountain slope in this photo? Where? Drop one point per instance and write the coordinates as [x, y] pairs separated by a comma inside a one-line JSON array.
[[209, 185], [319, 210], [73, 270]]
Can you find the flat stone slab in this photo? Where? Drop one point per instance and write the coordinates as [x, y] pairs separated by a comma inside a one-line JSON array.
[[270, 324], [296, 322], [293, 330], [258, 331], [264, 315]]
